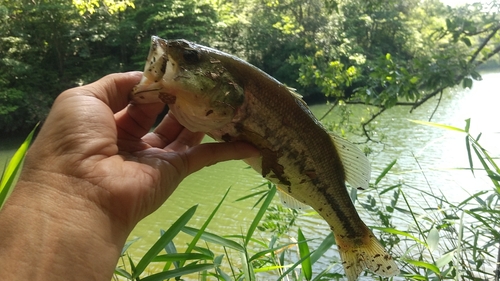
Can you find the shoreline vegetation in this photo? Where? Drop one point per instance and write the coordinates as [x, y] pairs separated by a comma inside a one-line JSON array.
[[379, 54], [382, 54]]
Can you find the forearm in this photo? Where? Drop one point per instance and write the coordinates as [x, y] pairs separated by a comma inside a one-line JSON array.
[[47, 234]]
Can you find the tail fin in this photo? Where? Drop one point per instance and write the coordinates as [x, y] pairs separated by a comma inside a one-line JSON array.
[[369, 254]]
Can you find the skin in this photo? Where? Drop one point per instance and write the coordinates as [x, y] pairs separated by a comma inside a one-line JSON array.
[[91, 175]]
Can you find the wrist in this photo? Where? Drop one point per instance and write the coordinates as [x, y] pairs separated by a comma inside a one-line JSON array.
[[51, 234]]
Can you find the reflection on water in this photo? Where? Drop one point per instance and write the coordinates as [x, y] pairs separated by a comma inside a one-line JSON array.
[[427, 159]]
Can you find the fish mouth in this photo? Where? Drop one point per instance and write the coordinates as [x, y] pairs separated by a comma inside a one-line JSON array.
[[168, 80]]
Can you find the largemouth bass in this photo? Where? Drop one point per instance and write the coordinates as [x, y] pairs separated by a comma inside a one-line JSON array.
[[223, 96]]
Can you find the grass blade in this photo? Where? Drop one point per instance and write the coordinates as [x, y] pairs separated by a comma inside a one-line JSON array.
[[260, 214], [267, 251], [170, 249], [327, 243], [437, 125], [13, 167], [305, 253], [469, 154], [196, 238], [181, 257], [128, 244], [385, 171], [123, 273], [426, 265], [294, 266], [213, 238], [163, 241], [178, 272], [399, 232]]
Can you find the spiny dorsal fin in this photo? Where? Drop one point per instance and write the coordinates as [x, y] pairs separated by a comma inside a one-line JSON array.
[[356, 166]]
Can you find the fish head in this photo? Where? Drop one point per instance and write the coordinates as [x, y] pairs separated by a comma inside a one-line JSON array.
[[201, 93]]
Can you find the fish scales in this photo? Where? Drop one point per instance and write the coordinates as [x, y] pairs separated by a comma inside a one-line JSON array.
[[229, 99], [292, 123]]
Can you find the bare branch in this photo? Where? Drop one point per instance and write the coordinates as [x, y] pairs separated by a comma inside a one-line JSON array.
[[437, 105], [329, 110], [364, 124]]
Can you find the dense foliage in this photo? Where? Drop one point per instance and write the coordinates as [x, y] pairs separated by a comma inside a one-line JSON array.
[[384, 53]]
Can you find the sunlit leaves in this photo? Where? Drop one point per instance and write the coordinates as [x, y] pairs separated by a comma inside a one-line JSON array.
[[112, 6]]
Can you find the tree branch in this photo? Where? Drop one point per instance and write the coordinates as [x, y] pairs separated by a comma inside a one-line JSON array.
[[364, 124], [329, 110], [437, 105], [494, 52], [485, 42]]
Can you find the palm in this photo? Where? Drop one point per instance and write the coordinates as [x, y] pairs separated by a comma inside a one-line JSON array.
[[92, 136]]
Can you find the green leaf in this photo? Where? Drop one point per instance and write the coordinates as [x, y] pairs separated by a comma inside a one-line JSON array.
[[293, 266], [181, 257], [128, 244], [12, 168], [433, 239], [399, 232], [170, 249], [267, 251], [437, 125], [445, 259], [252, 195], [163, 241], [213, 238], [467, 83], [326, 245], [305, 255], [476, 76], [269, 268], [467, 125], [260, 214], [426, 265], [469, 154], [385, 171], [466, 40], [223, 275], [123, 273], [247, 268], [178, 272], [204, 226]]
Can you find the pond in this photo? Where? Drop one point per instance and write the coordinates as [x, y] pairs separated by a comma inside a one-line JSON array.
[[428, 158]]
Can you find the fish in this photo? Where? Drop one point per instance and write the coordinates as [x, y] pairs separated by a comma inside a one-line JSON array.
[[229, 99]]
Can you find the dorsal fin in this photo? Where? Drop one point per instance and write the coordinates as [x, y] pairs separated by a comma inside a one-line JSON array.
[[356, 166]]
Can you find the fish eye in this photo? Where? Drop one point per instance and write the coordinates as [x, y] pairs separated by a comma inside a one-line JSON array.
[[191, 56]]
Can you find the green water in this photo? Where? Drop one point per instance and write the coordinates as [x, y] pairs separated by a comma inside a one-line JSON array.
[[426, 158]]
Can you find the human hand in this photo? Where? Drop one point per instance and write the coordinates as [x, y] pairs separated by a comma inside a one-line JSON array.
[[94, 164]]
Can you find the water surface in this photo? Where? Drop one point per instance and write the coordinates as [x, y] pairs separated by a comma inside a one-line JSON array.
[[427, 159]]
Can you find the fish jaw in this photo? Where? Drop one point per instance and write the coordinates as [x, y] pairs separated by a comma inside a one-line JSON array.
[[199, 91]]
